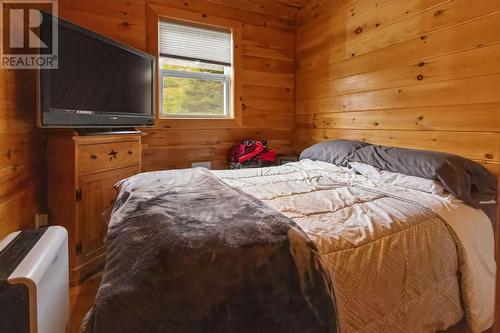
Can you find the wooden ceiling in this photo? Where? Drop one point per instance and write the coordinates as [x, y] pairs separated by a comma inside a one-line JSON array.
[[285, 10], [293, 3]]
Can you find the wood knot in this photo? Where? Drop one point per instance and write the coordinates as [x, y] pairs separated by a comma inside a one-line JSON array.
[[488, 156], [423, 37], [420, 77], [358, 30], [376, 124], [438, 13], [377, 25], [9, 154], [186, 4], [204, 15], [421, 64], [353, 54], [421, 118], [125, 24], [243, 107], [400, 91]]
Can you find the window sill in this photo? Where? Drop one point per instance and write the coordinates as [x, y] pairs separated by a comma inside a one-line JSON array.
[[198, 123]]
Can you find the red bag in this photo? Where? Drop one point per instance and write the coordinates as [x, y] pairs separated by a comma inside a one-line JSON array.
[[250, 150]]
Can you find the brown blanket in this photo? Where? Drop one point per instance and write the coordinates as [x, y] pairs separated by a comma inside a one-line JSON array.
[[188, 253]]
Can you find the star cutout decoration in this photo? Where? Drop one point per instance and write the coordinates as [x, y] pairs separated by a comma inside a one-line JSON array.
[[112, 155]]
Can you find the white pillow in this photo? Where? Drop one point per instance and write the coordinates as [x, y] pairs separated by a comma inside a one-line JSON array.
[[398, 179]]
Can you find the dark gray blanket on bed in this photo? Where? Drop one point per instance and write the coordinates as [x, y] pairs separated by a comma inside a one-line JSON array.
[[188, 253]]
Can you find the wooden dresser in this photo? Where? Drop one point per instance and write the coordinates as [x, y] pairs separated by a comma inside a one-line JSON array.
[[81, 172]]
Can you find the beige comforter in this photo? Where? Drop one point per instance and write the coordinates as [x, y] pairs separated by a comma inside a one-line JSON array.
[[396, 262]]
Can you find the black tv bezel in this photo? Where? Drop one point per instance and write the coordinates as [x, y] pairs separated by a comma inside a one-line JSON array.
[[98, 119]]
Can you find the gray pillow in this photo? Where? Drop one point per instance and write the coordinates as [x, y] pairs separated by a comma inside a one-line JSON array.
[[335, 152], [464, 178]]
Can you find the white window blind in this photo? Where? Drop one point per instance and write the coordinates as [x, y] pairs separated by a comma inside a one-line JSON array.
[[190, 42]]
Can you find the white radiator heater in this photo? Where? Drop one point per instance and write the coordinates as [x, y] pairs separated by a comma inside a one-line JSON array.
[[34, 282]]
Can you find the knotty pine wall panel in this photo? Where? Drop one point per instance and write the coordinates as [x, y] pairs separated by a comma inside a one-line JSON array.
[[20, 159], [268, 72], [412, 73]]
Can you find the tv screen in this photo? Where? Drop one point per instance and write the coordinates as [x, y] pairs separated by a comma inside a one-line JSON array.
[[99, 82]]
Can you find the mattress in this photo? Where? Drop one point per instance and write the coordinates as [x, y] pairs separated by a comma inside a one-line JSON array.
[[400, 260]]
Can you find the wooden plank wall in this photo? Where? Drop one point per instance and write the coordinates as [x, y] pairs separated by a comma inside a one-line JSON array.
[[20, 158], [413, 73], [422, 74], [267, 83], [268, 93]]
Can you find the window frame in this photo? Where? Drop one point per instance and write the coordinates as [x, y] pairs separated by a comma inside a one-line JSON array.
[[156, 13]]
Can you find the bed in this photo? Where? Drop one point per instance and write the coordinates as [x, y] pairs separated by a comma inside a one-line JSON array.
[[313, 246]]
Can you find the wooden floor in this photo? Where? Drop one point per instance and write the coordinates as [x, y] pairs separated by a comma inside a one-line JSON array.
[[80, 301]]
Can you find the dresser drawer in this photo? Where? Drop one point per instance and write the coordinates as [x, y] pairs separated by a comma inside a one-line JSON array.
[[108, 156]]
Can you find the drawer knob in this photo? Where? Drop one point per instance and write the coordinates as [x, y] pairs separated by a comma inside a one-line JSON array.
[[112, 154], [93, 157]]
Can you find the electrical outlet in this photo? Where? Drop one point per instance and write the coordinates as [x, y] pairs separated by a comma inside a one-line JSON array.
[[206, 165], [41, 220]]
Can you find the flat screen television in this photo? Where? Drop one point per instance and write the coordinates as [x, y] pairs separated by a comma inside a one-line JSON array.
[[99, 82]]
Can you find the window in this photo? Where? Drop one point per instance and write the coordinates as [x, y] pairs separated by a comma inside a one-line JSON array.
[[195, 71]]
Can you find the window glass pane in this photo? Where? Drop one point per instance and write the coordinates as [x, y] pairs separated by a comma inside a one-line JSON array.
[[193, 97], [190, 66], [195, 67]]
